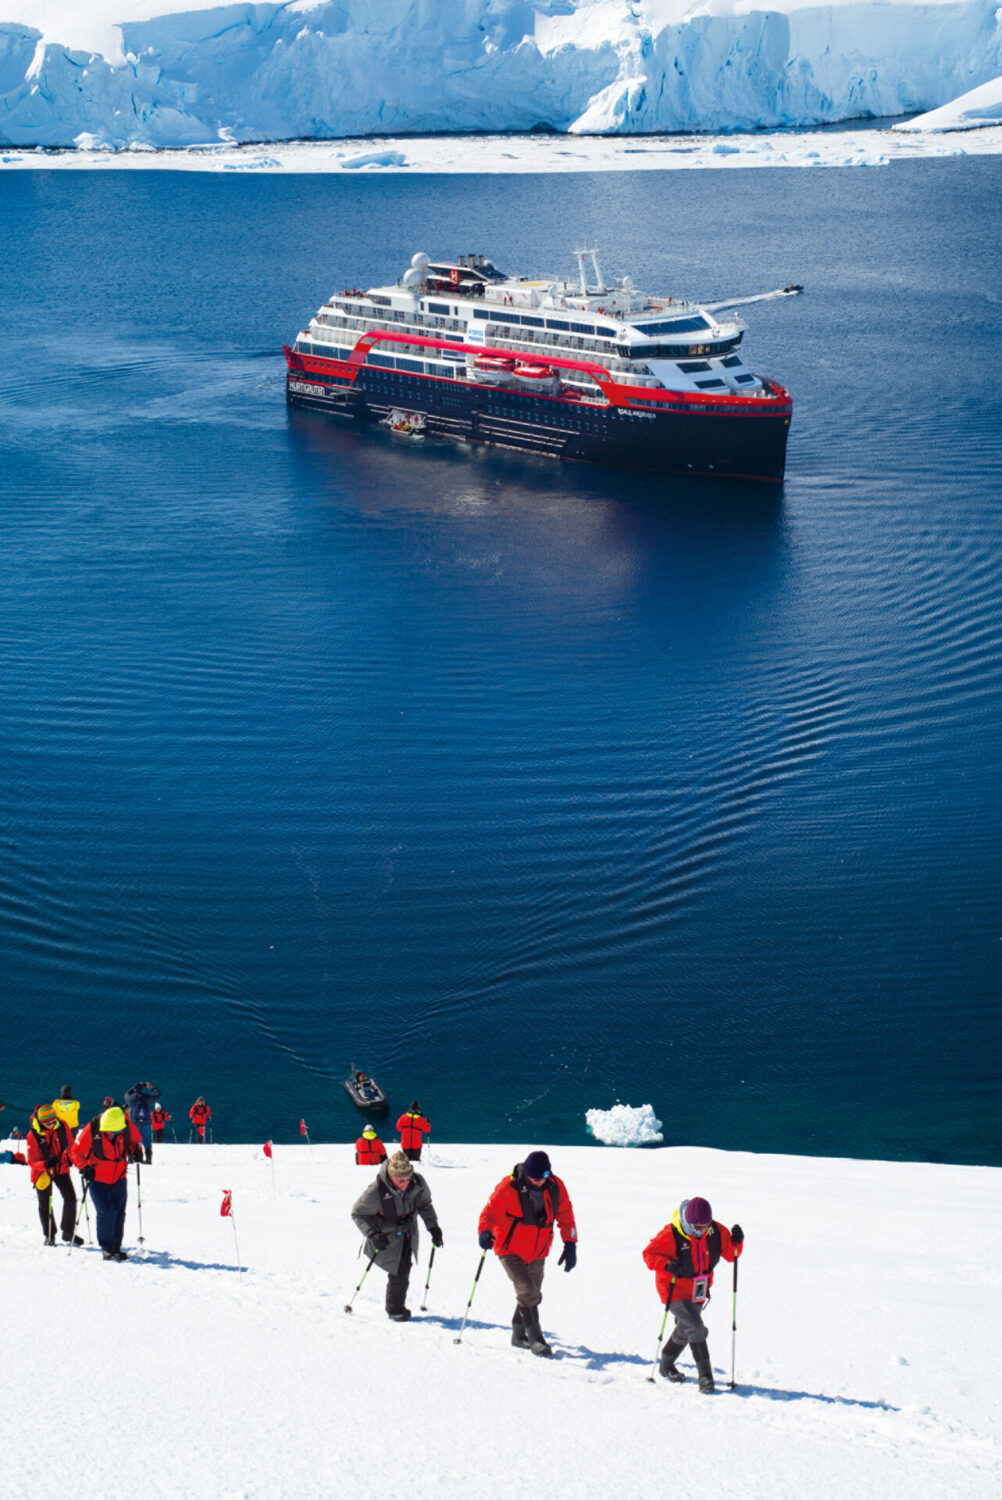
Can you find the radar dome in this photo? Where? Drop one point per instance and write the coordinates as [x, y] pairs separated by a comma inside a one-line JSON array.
[[420, 261], [413, 277]]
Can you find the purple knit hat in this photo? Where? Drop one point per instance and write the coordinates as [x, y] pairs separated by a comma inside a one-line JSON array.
[[695, 1213]]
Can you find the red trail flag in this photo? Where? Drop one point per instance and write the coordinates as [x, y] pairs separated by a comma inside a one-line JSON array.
[[302, 1127], [226, 1207], [267, 1148]]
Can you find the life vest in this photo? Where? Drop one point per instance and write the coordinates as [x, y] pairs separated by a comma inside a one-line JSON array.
[[369, 1153], [413, 1129]]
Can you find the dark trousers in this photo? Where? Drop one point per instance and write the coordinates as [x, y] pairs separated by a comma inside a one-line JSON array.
[[109, 1199], [396, 1284], [526, 1276], [412, 1153], [64, 1182]]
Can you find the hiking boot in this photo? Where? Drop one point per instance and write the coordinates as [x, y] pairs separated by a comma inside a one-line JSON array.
[[704, 1369], [50, 1239], [107, 1255], [119, 1255], [669, 1355], [537, 1343], [400, 1316], [72, 1239], [519, 1337]]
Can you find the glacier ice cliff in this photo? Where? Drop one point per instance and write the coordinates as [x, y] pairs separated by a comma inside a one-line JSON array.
[[255, 72]]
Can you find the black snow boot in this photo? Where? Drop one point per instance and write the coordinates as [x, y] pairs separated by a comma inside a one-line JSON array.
[[704, 1369], [519, 1337], [401, 1315], [530, 1322], [120, 1255], [107, 1255], [149, 1156], [72, 1239], [669, 1354]]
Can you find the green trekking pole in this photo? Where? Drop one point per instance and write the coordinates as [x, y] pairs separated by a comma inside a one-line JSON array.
[[431, 1262], [661, 1333], [459, 1338], [83, 1204], [347, 1306]]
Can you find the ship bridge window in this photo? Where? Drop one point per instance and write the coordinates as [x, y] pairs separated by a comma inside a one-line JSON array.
[[710, 385], [731, 361], [605, 333], [674, 325], [558, 323], [691, 366], [438, 307], [582, 328]]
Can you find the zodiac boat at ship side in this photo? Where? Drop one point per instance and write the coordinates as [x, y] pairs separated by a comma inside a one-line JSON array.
[[593, 372]]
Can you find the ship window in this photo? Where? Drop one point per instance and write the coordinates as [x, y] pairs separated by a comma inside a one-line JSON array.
[[742, 379], [582, 328], [417, 365], [532, 322], [731, 361], [709, 385], [606, 333], [690, 366], [675, 325], [381, 359], [481, 312], [557, 323], [438, 307]]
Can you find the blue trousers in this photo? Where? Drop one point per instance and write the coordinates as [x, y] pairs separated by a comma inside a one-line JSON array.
[[109, 1200]]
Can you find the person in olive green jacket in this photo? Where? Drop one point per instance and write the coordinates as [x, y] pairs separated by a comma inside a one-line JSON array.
[[386, 1214]]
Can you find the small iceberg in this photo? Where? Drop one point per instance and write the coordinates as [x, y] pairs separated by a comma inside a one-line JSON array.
[[374, 159], [625, 1125]]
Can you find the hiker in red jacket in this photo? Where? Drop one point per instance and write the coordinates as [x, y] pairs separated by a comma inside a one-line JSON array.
[[413, 1127], [517, 1221], [159, 1121], [49, 1143], [683, 1255], [102, 1151], [369, 1149], [200, 1114]]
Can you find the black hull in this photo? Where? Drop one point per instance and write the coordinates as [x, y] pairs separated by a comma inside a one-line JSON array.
[[722, 442], [370, 1099]]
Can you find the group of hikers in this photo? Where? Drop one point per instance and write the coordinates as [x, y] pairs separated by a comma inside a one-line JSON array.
[[101, 1151], [412, 1128], [517, 1222]]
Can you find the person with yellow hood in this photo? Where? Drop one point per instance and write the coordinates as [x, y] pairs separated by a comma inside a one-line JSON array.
[[49, 1144], [102, 1151], [68, 1108]]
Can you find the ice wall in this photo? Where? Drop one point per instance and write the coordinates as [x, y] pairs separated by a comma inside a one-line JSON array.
[[353, 67]]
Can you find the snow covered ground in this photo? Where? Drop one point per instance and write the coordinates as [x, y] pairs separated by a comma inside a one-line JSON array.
[[844, 147], [869, 1325], [160, 73]]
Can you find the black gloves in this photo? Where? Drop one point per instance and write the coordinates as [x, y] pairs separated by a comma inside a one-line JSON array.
[[436, 1236], [737, 1234], [486, 1239], [87, 1174], [569, 1258], [379, 1242], [52, 1165]]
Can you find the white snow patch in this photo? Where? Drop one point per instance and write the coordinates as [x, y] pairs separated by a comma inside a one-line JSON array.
[[978, 107], [374, 159], [625, 1125]]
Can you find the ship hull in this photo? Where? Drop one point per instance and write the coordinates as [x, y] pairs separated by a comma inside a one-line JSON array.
[[718, 442]]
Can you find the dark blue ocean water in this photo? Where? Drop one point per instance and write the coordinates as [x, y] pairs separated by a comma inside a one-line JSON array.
[[529, 787]]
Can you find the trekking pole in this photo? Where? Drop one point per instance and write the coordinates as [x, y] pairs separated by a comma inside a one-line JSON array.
[[174, 1134], [139, 1192], [189, 1137], [459, 1337], [347, 1306], [661, 1334], [734, 1319], [431, 1262], [86, 1213], [80, 1210]]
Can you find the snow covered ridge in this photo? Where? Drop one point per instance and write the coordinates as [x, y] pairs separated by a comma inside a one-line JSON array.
[[119, 73], [868, 1330]]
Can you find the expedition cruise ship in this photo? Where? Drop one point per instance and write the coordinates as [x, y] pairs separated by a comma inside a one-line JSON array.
[[577, 369]]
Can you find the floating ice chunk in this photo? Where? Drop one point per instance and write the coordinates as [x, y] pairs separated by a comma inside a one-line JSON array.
[[625, 1125], [375, 159], [87, 141]]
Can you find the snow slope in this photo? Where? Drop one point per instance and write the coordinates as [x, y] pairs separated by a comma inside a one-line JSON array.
[[972, 111], [869, 1323], [122, 72]]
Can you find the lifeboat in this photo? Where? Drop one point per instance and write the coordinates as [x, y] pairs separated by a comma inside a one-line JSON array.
[[492, 369], [536, 377]]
